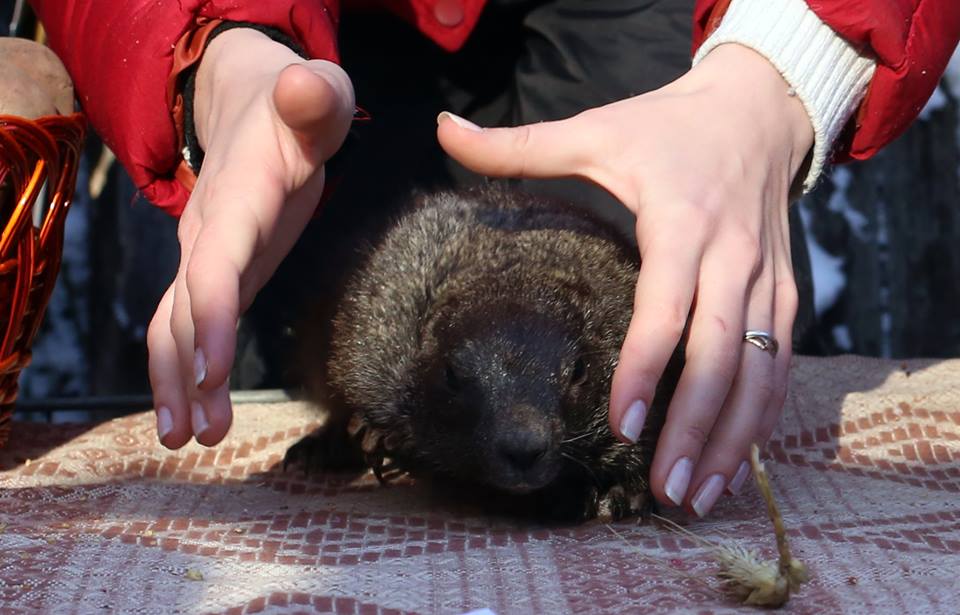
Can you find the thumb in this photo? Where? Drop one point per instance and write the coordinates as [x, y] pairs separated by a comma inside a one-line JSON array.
[[542, 150], [315, 99]]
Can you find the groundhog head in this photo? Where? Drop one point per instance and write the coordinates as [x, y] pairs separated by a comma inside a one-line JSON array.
[[505, 382]]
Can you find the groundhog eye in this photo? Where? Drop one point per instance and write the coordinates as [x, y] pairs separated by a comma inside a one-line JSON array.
[[578, 375], [451, 381]]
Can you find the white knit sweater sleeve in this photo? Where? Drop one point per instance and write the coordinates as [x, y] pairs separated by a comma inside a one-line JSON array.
[[828, 74]]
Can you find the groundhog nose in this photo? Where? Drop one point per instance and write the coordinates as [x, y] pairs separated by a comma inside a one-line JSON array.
[[522, 450]]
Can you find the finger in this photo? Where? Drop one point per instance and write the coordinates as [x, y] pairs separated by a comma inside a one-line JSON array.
[[713, 354], [205, 322], [664, 293], [546, 149], [786, 312], [192, 362], [316, 100], [213, 407], [223, 250], [786, 302], [210, 414], [722, 463], [181, 330], [173, 419], [755, 404]]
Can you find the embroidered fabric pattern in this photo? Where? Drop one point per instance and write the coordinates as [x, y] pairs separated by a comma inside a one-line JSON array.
[[865, 466]]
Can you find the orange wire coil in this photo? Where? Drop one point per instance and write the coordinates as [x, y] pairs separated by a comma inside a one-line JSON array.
[[38, 169]]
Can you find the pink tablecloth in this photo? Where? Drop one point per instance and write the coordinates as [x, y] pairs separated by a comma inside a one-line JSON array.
[[866, 466]]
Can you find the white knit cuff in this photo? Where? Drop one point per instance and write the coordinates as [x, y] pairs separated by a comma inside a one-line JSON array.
[[828, 75]]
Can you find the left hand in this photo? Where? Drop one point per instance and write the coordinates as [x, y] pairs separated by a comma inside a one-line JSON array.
[[267, 121], [705, 164]]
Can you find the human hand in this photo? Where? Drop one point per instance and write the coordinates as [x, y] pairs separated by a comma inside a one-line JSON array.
[[267, 121], [705, 163]]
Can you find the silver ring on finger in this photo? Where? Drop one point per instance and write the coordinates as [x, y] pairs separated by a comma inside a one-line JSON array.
[[762, 340]]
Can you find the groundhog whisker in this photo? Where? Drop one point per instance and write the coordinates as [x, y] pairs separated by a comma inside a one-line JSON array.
[[591, 353], [575, 438], [593, 476]]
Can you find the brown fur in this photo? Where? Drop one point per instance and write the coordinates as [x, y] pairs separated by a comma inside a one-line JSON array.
[[476, 343]]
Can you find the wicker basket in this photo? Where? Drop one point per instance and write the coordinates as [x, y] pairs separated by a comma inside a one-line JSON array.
[[38, 169]]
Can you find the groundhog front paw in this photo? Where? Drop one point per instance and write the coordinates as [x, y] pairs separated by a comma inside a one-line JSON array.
[[619, 503], [328, 449]]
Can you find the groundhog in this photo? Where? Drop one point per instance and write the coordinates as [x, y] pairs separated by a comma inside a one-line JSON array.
[[474, 343]]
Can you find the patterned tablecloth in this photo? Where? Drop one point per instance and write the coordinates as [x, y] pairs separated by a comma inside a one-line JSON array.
[[100, 518]]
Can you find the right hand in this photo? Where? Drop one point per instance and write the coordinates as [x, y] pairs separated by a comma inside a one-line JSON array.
[[705, 164], [267, 121]]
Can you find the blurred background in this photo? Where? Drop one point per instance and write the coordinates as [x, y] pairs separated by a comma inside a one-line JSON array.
[[883, 238]]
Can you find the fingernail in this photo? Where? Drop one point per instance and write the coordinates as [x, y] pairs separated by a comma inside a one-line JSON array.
[[199, 367], [707, 496], [679, 480], [736, 483], [459, 121], [164, 422], [198, 420], [633, 419]]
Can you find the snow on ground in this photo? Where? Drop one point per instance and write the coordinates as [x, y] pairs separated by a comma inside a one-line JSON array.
[[842, 338], [952, 74], [951, 78], [828, 276], [950, 83], [838, 203], [938, 100]]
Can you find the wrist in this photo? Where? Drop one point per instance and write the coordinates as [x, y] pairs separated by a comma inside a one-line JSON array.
[[744, 86], [828, 74]]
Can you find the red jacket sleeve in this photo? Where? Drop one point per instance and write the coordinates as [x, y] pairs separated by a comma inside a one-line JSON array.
[[120, 56], [912, 41]]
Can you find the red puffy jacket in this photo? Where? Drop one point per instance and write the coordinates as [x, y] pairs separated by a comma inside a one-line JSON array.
[[121, 55]]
